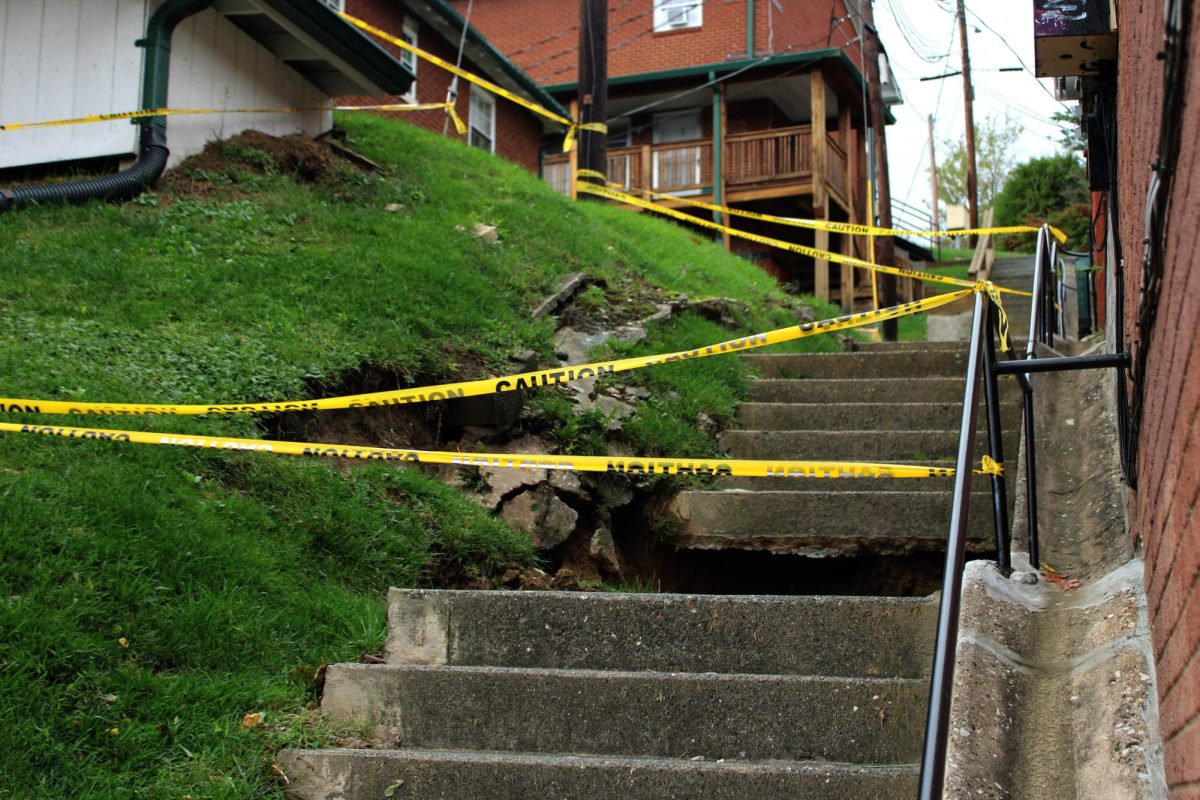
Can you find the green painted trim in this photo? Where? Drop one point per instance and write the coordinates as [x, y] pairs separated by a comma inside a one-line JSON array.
[[750, 28], [703, 69], [364, 54], [725, 67], [537, 93]]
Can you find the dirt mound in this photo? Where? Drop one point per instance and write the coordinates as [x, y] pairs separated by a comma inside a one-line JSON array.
[[306, 160]]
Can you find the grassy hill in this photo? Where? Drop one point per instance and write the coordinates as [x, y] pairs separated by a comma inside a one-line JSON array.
[[151, 597]]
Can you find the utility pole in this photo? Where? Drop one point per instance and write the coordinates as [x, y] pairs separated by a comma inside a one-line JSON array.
[[969, 102], [593, 86], [933, 192], [885, 247]]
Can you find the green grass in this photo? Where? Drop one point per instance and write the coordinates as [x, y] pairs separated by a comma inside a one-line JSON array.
[[151, 597]]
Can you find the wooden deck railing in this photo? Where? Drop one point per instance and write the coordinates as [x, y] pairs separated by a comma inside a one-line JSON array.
[[763, 157], [767, 156]]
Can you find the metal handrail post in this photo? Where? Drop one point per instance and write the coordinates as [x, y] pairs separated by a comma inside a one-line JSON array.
[[1037, 305], [941, 683], [1031, 507], [996, 443], [1031, 504]]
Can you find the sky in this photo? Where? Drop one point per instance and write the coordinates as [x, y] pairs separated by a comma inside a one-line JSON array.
[[933, 32]]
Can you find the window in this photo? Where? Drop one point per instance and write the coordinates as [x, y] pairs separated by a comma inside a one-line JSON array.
[[409, 59], [482, 122], [670, 15]]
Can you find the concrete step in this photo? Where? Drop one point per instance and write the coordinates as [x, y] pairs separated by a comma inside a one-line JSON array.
[[861, 416], [883, 347], [655, 714], [663, 632], [824, 524], [849, 416], [853, 445], [868, 390], [450, 775], [906, 364]]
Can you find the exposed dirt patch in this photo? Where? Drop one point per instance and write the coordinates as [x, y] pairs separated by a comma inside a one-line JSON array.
[[217, 166]]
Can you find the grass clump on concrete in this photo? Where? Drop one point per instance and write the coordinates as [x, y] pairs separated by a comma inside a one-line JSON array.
[[152, 597]]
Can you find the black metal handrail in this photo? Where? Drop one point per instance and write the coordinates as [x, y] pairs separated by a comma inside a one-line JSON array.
[[941, 685], [983, 369]]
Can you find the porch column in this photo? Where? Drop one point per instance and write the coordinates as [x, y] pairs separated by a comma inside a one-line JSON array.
[[820, 192], [847, 249]]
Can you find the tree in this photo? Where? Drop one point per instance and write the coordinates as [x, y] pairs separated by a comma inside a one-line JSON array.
[[1071, 137], [994, 157], [1050, 189]]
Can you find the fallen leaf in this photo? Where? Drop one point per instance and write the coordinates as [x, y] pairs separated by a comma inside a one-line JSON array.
[[113, 731], [108, 698], [252, 720], [123, 642], [1058, 579], [391, 790]]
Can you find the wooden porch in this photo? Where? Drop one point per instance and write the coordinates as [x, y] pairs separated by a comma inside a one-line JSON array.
[[759, 165]]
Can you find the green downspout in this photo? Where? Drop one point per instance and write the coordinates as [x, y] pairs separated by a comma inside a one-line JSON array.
[[749, 29], [718, 195], [156, 72]]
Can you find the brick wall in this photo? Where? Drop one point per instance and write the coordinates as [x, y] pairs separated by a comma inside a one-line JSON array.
[[518, 132], [542, 36], [1164, 510]]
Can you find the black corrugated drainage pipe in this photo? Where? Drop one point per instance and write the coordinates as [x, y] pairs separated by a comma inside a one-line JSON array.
[[152, 152]]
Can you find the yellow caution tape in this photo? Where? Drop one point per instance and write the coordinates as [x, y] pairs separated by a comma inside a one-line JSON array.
[[851, 228], [524, 380], [591, 173], [178, 112], [155, 112], [449, 108], [617, 464], [462, 73], [989, 466], [569, 139], [804, 250]]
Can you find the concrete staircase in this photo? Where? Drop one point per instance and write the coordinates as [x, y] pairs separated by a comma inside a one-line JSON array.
[[516, 695], [898, 403], [1016, 272]]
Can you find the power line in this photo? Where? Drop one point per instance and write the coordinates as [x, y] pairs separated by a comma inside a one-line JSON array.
[[1017, 55]]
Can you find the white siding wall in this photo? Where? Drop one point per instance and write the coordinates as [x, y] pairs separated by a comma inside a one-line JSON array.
[[71, 58], [68, 58], [214, 65]]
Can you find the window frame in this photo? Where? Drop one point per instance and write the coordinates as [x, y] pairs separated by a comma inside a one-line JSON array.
[[410, 33], [693, 15], [483, 97]]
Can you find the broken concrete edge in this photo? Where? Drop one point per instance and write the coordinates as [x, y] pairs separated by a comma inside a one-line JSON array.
[[1020, 725], [567, 287]]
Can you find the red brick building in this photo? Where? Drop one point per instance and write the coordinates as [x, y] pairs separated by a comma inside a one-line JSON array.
[[727, 101], [1141, 96], [493, 123], [1163, 325]]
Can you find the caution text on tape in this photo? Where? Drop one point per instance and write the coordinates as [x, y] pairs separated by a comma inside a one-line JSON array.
[[523, 380], [804, 250], [851, 228], [615, 464]]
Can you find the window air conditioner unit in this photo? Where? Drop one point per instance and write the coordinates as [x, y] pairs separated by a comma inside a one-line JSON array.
[[678, 16]]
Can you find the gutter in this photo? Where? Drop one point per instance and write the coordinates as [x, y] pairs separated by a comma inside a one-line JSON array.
[[153, 152]]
